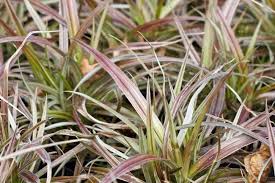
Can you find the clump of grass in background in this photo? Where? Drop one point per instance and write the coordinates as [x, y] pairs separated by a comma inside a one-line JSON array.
[[134, 91]]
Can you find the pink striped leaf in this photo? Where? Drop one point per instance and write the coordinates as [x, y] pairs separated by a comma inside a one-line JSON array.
[[127, 166]]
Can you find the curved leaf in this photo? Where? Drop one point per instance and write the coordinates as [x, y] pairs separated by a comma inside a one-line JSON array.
[[127, 166]]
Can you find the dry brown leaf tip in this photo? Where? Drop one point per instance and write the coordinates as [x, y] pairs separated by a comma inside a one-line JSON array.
[[254, 163]]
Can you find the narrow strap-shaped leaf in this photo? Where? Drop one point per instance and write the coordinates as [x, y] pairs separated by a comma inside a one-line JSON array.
[[229, 8], [127, 166], [271, 138], [49, 11]]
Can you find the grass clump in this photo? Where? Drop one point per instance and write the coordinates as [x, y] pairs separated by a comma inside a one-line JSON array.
[[135, 91]]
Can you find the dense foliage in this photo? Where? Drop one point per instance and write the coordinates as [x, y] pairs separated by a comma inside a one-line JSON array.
[[136, 91]]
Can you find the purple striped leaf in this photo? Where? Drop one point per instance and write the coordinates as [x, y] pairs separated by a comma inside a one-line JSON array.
[[127, 166], [28, 176], [271, 138], [227, 148], [48, 11]]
